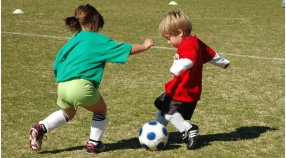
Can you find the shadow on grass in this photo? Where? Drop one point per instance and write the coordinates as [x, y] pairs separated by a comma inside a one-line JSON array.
[[62, 150], [132, 143], [242, 133]]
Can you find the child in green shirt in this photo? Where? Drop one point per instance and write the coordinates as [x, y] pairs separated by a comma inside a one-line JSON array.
[[78, 69]]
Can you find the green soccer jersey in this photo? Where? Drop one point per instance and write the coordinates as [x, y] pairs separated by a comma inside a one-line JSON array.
[[85, 55]]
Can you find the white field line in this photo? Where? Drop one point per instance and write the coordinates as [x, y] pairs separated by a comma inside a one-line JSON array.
[[34, 35], [156, 47]]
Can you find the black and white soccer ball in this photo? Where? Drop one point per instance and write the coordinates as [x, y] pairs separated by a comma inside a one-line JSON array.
[[153, 136]]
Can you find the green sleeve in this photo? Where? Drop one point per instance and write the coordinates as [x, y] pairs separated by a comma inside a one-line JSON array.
[[117, 52]]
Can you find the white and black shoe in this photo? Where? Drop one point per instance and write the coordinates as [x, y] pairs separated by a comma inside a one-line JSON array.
[[190, 136]]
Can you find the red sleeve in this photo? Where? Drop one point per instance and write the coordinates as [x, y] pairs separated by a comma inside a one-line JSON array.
[[188, 51], [208, 52]]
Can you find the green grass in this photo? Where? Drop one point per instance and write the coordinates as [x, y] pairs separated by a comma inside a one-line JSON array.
[[241, 112]]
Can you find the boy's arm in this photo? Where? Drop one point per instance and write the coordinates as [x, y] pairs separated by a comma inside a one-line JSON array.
[[179, 65], [220, 61]]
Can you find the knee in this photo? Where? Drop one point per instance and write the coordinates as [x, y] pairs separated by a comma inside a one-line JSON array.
[[69, 114]]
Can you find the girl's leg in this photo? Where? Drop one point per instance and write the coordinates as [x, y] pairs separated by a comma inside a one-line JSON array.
[[56, 119], [98, 124], [98, 108]]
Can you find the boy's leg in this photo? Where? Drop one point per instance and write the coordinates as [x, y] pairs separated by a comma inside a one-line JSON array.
[[177, 113], [160, 115], [178, 121], [161, 119], [190, 135], [189, 131]]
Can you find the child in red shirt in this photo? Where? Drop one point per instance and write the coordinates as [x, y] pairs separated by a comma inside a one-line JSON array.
[[178, 102]]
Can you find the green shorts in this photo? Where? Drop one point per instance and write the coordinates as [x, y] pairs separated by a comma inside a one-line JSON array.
[[77, 92]]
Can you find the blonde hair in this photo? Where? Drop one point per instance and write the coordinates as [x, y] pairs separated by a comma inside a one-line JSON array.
[[174, 21]]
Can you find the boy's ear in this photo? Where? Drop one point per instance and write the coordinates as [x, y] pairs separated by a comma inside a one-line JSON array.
[[180, 32]]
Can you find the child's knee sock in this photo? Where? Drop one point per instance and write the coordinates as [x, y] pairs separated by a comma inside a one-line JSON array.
[[161, 119], [178, 121], [53, 121], [98, 125]]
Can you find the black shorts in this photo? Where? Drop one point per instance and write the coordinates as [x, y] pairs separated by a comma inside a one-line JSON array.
[[167, 105]]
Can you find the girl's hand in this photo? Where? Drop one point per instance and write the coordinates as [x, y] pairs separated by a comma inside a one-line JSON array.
[[148, 43]]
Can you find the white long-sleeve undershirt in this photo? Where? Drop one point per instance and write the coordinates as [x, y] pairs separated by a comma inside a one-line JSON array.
[[219, 61], [184, 64], [181, 64]]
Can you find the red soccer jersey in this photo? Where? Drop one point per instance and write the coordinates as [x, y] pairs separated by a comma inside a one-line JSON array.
[[187, 87]]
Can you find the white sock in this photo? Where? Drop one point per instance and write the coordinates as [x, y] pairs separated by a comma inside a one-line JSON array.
[[97, 129], [178, 121], [55, 120], [161, 119]]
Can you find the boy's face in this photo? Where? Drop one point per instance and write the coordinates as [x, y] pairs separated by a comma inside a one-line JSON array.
[[175, 40]]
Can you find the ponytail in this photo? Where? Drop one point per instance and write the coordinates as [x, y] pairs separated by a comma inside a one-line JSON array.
[[73, 24], [85, 16]]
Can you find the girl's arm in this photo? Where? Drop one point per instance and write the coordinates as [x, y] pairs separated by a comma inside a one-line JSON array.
[[138, 48]]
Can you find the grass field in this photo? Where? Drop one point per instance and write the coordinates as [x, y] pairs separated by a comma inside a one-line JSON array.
[[241, 112]]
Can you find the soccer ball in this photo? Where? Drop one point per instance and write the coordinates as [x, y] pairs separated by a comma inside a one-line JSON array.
[[153, 136]]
